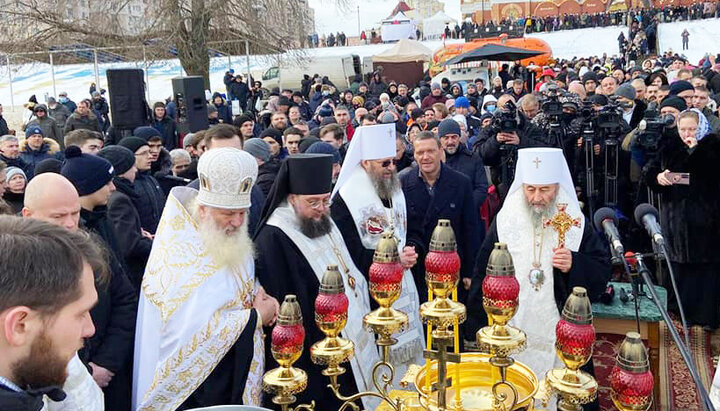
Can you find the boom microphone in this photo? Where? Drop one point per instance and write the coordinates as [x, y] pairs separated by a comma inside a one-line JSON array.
[[647, 216], [606, 220]]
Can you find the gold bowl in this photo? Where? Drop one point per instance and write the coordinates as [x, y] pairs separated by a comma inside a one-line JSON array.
[[477, 377]]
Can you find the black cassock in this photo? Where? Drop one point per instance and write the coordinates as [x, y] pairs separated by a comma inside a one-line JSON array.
[[362, 257], [282, 269], [590, 268], [226, 383]]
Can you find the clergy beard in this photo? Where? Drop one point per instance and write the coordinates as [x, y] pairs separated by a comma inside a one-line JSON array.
[[227, 249], [43, 367], [540, 213], [314, 229], [384, 187]]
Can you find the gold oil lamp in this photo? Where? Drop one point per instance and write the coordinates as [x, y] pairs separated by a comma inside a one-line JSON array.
[[631, 381], [286, 347], [574, 339], [442, 273], [500, 301], [386, 274], [331, 311]]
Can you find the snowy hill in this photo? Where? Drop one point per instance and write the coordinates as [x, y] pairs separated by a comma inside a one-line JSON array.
[[704, 38], [36, 78]]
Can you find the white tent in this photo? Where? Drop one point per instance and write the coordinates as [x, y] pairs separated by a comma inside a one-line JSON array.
[[404, 51], [398, 27], [433, 27]]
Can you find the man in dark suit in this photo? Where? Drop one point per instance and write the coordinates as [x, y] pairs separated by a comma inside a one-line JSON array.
[[435, 191]]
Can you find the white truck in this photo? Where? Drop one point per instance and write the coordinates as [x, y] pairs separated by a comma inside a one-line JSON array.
[[339, 69]]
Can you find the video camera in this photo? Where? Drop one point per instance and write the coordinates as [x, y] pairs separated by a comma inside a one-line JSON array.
[[505, 120], [609, 118], [552, 107], [651, 128]]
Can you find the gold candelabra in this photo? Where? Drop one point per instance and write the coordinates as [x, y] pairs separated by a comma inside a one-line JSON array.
[[449, 380]]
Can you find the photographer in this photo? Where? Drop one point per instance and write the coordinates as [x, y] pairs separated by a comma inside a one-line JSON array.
[[499, 142], [688, 175], [560, 121]]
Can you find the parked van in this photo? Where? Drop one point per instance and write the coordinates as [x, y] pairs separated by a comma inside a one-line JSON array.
[[339, 69]]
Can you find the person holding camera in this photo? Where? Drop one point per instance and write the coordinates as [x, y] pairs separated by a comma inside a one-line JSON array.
[[498, 143], [688, 176]]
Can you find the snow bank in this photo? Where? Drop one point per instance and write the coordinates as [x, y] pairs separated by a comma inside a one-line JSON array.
[[704, 38]]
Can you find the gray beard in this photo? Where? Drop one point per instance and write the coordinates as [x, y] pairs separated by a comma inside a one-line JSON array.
[[541, 214], [385, 187], [314, 229]]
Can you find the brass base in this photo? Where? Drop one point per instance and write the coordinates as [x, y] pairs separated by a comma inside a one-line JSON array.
[[442, 312], [332, 352], [573, 388], [285, 381], [385, 321], [477, 376], [501, 340]]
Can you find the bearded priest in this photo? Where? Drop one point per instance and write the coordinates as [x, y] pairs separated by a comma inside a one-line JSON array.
[[296, 241], [367, 201], [199, 328], [546, 271]]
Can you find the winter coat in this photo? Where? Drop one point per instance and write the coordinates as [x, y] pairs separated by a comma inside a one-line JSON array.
[[19, 163], [240, 91], [451, 199], [266, 175], [70, 105], [150, 200], [377, 88], [77, 122], [163, 164], [113, 316], [168, 129], [60, 113], [224, 112], [430, 100], [471, 165], [3, 127], [125, 220], [49, 149], [15, 200], [29, 400], [689, 213], [50, 129]]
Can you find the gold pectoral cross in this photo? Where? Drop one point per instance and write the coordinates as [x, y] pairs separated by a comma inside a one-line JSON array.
[[562, 222]]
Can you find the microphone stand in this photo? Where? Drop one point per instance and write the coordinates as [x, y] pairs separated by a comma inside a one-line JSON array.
[[671, 273], [707, 404], [635, 293]]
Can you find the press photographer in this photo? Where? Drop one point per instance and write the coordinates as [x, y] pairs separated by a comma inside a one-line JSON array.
[[499, 142]]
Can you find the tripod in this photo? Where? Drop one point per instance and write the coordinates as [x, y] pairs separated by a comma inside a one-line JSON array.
[[611, 171], [588, 137]]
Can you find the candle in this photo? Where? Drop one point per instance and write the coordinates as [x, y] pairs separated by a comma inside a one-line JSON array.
[[429, 347]]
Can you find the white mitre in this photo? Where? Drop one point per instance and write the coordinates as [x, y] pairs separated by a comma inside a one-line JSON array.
[[368, 143], [540, 166], [226, 178]]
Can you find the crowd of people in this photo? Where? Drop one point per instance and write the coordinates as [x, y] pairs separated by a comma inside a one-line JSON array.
[[142, 269]]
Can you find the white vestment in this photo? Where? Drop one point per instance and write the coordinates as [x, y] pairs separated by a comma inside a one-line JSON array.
[[191, 312], [319, 253], [83, 393], [371, 219]]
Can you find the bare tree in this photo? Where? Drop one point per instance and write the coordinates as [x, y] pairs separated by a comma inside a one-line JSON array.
[[186, 28]]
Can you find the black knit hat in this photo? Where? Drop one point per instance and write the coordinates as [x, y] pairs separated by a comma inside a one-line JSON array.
[[121, 158], [146, 133], [675, 102], [132, 143], [49, 165], [87, 173]]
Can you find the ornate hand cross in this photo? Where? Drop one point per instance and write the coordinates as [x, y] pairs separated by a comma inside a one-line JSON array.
[[443, 357], [561, 222]]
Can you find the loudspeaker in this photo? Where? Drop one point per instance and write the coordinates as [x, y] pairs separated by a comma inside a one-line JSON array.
[[127, 98], [189, 95]]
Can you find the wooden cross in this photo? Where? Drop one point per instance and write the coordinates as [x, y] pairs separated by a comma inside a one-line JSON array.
[[537, 162], [562, 222], [443, 357]]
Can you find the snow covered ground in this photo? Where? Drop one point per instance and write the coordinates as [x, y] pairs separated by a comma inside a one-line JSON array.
[[704, 38], [35, 78], [583, 42]]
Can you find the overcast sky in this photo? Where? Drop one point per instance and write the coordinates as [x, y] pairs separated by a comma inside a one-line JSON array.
[[329, 18]]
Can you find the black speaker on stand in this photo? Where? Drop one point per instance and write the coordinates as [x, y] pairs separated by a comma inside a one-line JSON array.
[[128, 106], [189, 95]]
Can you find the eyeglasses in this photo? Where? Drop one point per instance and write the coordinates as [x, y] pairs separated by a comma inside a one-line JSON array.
[[318, 204], [143, 154], [386, 163]]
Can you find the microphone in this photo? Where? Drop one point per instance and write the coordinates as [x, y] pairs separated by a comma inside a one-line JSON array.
[[607, 296], [606, 220], [647, 216]]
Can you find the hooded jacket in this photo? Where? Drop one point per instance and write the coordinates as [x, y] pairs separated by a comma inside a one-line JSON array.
[[150, 200], [489, 98], [49, 149], [50, 127]]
